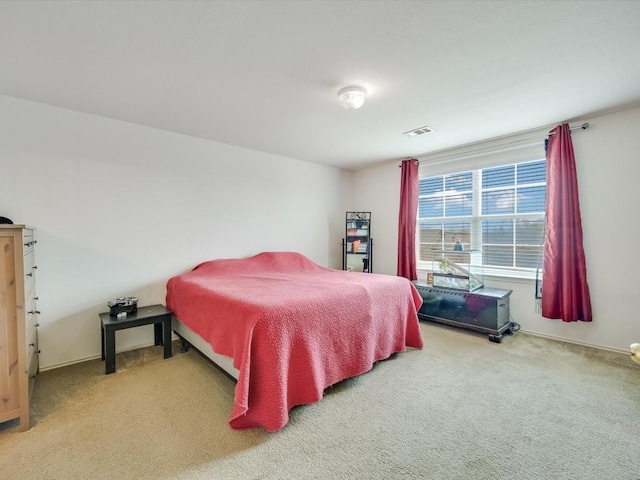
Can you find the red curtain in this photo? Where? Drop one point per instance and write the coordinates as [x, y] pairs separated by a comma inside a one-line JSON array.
[[565, 292], [407, 219]]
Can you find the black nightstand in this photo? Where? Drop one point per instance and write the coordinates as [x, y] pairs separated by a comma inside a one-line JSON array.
[[157, 315]]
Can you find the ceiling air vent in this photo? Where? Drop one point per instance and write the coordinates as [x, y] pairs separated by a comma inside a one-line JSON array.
[[419, 131]]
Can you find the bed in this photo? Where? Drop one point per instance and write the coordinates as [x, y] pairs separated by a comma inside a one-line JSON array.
[[286, 328]]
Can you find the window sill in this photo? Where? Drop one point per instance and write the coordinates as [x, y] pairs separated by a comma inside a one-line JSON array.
[[497, 274]]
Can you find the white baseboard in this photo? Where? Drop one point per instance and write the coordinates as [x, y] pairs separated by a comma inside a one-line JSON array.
[[564, 340], [174, 337], [96, 357]]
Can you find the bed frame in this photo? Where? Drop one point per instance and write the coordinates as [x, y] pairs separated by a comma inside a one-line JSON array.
[[191, 339]]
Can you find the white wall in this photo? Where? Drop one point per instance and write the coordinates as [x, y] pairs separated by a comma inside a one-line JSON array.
[[120, 208], [377, 190], [608, 164]]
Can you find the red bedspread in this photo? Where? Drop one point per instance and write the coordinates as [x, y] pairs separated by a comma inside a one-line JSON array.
[[292, 327]]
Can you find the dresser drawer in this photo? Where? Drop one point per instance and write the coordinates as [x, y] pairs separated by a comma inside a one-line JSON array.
[[33, 364], [32, 335], [28, 247], [31, 313], [32, 353], [29, 274], [33, 371]]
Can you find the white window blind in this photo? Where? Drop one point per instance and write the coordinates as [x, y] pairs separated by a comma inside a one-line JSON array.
[[490, 197]]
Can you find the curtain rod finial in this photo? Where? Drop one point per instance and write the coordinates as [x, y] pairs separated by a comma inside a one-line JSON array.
[[409, 158]]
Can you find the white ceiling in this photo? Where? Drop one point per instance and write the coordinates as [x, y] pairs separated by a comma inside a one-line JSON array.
[[264, 74]]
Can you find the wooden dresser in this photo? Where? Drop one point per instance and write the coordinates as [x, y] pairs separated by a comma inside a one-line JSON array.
[[18, 322]]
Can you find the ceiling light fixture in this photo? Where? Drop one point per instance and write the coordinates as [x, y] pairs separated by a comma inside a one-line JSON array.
[[352, 98]]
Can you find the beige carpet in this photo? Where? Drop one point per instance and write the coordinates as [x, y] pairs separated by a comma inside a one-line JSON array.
[[461, 408]]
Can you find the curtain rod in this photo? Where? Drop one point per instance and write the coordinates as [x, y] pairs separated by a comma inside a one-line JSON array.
[[584, 126], [410, 158]]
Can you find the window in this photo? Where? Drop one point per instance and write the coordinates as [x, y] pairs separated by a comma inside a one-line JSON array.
[[498, 210]]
